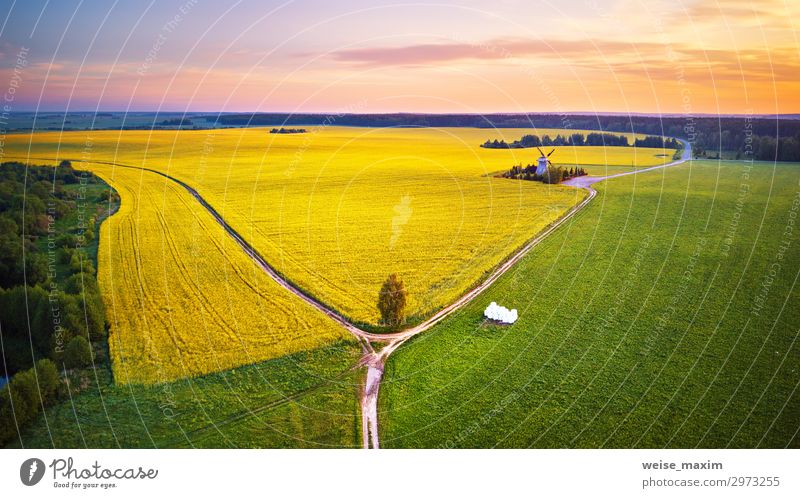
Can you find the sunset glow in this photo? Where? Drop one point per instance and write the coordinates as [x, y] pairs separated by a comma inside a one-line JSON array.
[[732, 56]]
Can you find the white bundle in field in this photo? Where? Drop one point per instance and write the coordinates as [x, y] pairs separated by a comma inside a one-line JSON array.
[[500, 313]]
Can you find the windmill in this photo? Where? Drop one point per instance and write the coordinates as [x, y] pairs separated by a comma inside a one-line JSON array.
[[541, 167]]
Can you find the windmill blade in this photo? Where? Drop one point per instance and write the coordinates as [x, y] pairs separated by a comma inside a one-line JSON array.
[[549, 163], [541, 152], [548, 155]]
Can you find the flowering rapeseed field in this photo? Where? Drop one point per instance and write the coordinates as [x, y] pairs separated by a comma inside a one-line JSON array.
[[337, 209], [182, 298]]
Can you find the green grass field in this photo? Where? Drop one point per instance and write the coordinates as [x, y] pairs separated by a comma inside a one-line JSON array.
[[663, 315], [309, 399]]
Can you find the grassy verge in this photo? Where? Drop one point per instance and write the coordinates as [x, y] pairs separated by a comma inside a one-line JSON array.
[[308, 399], [661, 315]]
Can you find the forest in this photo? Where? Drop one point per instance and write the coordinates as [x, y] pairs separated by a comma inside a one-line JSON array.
[[52, 317]]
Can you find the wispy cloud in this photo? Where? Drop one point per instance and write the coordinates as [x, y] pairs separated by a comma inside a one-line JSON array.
[[436, 53], [642, 59], [761, 12]]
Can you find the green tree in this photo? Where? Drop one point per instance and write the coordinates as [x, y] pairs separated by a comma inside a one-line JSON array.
[[78, 353], [84, 310], [553, 175], [47, 373], [24, 383], [392, 301], [14, 412]]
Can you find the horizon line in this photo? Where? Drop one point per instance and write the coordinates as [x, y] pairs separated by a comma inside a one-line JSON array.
[[418, 113]]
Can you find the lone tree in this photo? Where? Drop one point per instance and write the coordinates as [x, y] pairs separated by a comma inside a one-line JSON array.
[[392, 301]]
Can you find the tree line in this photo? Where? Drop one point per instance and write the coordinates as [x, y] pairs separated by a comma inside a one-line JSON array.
[[177, 122], [287, 130], [579, 140], [758, 148], [52, 317]]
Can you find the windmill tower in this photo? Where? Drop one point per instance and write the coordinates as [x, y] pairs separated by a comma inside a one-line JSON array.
[[543, 161]]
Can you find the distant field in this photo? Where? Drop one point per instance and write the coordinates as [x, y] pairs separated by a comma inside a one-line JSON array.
[[182, 298], [304, 400], [664, 314], [337, 209]]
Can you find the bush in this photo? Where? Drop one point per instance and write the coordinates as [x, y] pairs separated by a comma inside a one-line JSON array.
[[554, 175], [84, 310], [25, 385], [22, 398], [47, 374], [78, 353], [14, 412]]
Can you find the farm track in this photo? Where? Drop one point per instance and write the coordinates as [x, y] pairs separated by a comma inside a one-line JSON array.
[[375, 361]]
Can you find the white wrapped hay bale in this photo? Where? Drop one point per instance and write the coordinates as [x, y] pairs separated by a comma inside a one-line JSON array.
[[500, 313]]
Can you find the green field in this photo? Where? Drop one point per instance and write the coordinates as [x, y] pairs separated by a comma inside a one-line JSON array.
[[663, 315], [309, 399]]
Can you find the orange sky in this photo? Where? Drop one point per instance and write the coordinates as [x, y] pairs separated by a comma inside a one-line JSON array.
[[728, 56]]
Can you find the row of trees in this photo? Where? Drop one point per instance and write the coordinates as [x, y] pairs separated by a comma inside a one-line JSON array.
[[554, 174], [657, 142], [579, 139]]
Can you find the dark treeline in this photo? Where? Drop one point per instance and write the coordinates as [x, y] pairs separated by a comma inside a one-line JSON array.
[[761, 138], [578, 139], [757, 147], [177, 122], [287, 130], [52, 317]]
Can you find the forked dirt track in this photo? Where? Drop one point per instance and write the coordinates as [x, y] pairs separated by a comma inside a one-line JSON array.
[[372, 359]]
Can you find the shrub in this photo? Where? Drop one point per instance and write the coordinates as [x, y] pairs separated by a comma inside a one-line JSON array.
[[24, 384], [78, 353], [13, 413], [47, 373], [554, 175]]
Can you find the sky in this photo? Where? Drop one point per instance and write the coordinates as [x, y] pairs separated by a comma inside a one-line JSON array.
[[678, 56]]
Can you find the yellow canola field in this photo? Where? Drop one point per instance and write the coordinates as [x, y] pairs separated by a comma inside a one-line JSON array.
[[337, 209], [182, 298]]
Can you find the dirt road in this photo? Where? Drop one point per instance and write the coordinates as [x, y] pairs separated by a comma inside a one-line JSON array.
[[588, 181]]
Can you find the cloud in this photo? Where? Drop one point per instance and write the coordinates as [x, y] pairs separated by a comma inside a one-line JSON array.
[[646, 59], [502, 49], [762, 12], [700, 65]]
